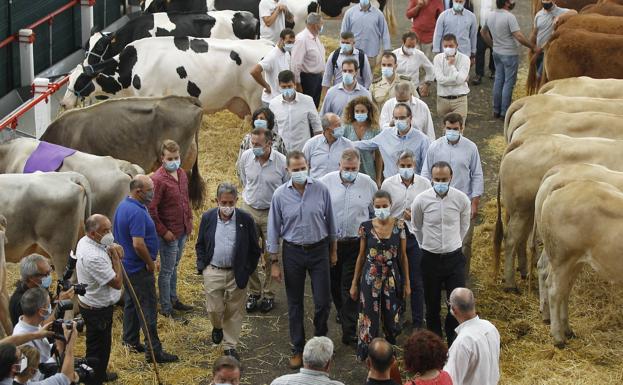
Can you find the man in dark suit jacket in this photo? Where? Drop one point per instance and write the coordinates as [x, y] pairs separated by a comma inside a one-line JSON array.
[[227, 253]]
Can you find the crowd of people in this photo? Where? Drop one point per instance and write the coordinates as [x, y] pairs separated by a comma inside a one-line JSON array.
[[362, 197]]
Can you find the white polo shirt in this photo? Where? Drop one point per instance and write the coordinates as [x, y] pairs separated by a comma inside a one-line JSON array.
[[94, 268], [274, 62], [266, 8]]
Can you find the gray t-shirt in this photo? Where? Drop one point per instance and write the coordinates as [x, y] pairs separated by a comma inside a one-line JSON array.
[[501, 23], [544, 24]]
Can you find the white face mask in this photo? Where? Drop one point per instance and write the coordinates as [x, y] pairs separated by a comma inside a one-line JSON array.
[[107, 240], [226, 210], [449, 51]]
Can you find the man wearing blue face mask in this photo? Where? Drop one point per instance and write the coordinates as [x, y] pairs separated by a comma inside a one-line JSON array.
[[462, 154], [440, 217], [332, 74], [339, 95], [460, 22], [383, 89], [323, 151]]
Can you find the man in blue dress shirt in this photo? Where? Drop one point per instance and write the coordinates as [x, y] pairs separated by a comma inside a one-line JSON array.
[[369, 26]]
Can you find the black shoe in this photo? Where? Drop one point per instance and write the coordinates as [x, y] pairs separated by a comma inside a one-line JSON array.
[[338, 319], [350, 340], [496, 115], [140, 348], [163, 357], [217, 335], [477, 80], [266, 305], [182, 320], [252, 303], [232, 353], [492, 75], [111, 376], [182, 307]]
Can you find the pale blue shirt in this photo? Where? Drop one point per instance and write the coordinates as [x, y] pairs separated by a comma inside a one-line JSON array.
[[369, 28], [391, 146], [464, 159], [224, 241], [323, 158], [305, 377], [337, 98], [352, 202], [333, 74], [302, 219], [261, 180], [463, 25]]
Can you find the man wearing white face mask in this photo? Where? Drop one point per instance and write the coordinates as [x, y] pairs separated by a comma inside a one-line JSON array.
[[452, 72], [323, 152], [440, 217], [411, 60], [99, 266], [339, 95]]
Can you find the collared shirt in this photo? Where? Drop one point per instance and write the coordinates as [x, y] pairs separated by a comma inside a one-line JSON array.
[[482, 9], [170, 207], [322, 157], [391, 146], [245, 144], [369, 27], [501, 23], [464, 160], [474, 357], [368, 161], [383, 89], [300, 218], [42, 345], [333, 74], [410, 65], [462, 25], [94, 267], [352, 202], [56, 379], [305, 377], [261, 180], [338, 97], [266, 8], [424, 19], [295, 120], [441, 223], [403, 196], [307, 54], [544, 23], [275, 61], [451, 79], [132, 220], [224, 241], [420, 116]]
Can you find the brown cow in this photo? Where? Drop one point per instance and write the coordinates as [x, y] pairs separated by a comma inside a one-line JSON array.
[[570, 4], [592, 22], [607, 9]]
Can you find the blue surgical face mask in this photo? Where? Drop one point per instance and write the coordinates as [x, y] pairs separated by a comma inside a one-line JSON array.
[[260, 123], [452, 135], [48, 311], [458, 7], [382, 213], [441, 188], [321, 29], [401, 125], [288, 47], [172, 165], [364, 3], [361, 117], [299, 177], [258, 151], [348, 78], [288, 92], [349, 176], [46, 281], [346, 48], [338, 132], [387, 72], [406, 173]]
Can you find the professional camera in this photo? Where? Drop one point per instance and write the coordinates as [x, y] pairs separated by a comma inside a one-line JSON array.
[[57, 325], [83, 367], [65, 283]]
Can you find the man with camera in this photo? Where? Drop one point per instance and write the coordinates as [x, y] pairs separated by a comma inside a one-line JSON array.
[[99, 267]]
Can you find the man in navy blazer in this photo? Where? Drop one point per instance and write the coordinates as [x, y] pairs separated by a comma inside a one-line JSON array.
[[227, 254]]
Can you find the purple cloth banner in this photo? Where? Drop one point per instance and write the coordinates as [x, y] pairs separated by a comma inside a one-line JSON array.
[[47, 157]]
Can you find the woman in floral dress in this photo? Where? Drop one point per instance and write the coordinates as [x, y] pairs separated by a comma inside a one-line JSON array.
[[381, 277]]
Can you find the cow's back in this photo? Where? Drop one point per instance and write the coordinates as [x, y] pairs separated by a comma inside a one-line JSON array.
[[593, 23], [585, 86]]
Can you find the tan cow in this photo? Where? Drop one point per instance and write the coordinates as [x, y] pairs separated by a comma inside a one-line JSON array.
[[607, 9], [586, 87], [5, 319], [579, 224], [521, 170]]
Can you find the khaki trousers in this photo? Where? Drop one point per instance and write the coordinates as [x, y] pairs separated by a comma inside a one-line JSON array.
[[224, 303], [268, 286], [445, 106]]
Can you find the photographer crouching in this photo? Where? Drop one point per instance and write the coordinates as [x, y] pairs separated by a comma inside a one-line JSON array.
[[99, 267]]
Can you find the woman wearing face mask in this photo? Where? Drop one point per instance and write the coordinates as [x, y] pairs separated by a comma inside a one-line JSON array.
[[360, 121], [263, 118], [381, 279]]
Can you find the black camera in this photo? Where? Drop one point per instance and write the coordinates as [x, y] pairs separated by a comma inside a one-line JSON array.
[[57, 325], [79, 288], [83, 367], [65, 283]]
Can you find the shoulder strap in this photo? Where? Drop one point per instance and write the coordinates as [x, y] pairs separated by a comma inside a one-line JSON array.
[[362, 62], [336, 53]]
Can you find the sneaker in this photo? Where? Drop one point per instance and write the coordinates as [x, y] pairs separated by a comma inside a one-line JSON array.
[[477, 80], [296, 361], [266, 305], [111, 376], [252, 303], [217, 336], [181, 306], [140, 348], [163, 357], [232, 353]]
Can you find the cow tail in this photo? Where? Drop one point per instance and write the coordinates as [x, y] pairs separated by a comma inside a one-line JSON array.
[[498, 236], [196, 185], [544, 72], [84, 183], [533, 247], [531, 81]]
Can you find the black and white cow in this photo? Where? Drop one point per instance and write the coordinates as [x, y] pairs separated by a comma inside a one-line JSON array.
[[216, 71], [217, 25]]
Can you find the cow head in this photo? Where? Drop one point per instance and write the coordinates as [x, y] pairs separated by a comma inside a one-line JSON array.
[[90, 80], [244, 25], [97, 47]]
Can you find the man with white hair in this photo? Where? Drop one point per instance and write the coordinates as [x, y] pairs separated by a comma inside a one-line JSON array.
[[308, 58], [317, 357]]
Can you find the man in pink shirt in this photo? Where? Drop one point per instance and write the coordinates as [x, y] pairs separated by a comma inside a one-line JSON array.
[[308, 58], [170, 210], [423, 14]]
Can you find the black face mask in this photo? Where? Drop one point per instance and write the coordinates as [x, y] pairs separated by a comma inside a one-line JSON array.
[[511, 6], [547, 6]]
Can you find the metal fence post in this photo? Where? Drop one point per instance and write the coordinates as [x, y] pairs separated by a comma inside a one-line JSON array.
[[86, 19], [26, 60], [42, 109]]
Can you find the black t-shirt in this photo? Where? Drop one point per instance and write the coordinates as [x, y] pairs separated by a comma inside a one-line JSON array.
[[15, 309], [372, 381]]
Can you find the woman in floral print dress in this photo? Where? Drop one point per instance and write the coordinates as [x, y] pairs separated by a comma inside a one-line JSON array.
[[381, 277]]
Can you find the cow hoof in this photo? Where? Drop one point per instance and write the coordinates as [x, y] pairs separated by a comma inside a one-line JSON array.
[[514, 290], [559, 345]]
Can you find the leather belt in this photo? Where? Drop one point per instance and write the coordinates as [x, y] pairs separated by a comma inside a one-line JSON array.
[[306, 247], [452, 97], [449, 254], [348, 240], [220, 268]]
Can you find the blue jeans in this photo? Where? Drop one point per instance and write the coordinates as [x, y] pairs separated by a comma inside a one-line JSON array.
[[505, 77], [170, 254]]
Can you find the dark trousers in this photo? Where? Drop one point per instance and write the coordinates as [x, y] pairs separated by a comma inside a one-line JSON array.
[[414, 256], [481, 49], [347, 252], [312, 86], [98, 323], [441, 271], [297, 262], [145, 289]]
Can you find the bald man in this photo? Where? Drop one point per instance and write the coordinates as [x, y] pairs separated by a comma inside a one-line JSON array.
[[323, 152], [136, 233], [99, 267], [381, 363]]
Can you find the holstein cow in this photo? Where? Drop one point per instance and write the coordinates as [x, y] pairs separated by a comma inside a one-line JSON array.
[[585, 86], [521, 170], [213, 70], [5, 319], [217, 25], [579, 225], [108, 182], [134, 130]]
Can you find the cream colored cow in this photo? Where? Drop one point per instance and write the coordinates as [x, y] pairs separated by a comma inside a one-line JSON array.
[[5, 319], [585, 86]]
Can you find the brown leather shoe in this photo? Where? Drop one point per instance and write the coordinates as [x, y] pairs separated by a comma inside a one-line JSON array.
[[296, 361]]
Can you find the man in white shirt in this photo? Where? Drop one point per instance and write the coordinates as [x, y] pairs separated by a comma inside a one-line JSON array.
[[99, 266], [421, 119], [323, 152], [277, 60], [481, 10], [296, 115], [440, 217], [403, 188], [474, 357], [411, 60], [273, 15], [452, 72]]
